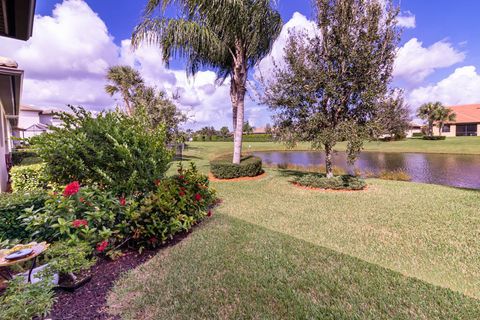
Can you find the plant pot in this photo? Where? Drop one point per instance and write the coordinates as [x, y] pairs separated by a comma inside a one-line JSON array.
[[68, 284]]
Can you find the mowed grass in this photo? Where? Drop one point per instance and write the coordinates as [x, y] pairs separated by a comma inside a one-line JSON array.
[[273, 251], [231, 269]]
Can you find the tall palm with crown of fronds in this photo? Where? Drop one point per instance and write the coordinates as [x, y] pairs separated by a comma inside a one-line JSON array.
[[428, 112], [124, 80], [230, 36]]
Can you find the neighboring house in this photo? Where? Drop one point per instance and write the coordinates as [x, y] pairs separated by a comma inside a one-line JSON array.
[[259, 131], [34, 121], [467, 122], [16, 21], [413, 128]]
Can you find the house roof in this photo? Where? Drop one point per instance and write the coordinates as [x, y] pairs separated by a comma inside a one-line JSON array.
[[16, 18], [466, 113], [10, 90], [38, 109]]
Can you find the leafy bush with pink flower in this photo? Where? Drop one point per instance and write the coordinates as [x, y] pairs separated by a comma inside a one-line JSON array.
[[107, 220]]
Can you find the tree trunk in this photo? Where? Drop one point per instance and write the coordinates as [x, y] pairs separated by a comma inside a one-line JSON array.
[[127, 105], [233, 97], [328, 161], [430, 129], [240, 81]]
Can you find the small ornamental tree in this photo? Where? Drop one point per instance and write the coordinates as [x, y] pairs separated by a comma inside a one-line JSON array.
[[394, 115], [332, 83]]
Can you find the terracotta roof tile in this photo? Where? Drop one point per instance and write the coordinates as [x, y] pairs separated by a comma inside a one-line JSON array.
[[467, 113]]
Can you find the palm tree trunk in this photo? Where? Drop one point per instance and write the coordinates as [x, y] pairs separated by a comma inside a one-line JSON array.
[[233, 97], [328, 161], [240, 81]]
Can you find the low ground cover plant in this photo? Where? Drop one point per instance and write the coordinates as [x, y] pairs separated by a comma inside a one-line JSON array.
[[25, 301], [223, 168], [343, 182]]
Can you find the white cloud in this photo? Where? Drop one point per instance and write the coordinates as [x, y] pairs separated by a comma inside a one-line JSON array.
[[406, 20], [298, 23], [415, 62], [461, 87]]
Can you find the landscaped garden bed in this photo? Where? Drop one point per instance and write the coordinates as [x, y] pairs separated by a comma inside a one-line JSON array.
[[321, 182]]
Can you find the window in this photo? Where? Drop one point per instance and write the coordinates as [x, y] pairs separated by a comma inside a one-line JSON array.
[[446, 128], [469, 129]]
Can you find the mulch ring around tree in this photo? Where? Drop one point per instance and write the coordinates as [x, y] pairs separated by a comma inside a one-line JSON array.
[[89, 301], [297, 185], [213, 179]]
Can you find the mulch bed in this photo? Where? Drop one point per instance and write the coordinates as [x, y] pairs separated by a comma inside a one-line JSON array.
[[89, 301], [212, 178]]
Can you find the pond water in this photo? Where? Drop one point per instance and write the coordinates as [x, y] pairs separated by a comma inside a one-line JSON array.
[[446, 169]]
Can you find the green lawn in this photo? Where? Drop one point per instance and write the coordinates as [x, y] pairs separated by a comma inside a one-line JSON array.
[[398, 250]]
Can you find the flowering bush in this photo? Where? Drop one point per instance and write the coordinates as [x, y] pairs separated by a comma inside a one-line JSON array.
[[176, 205], [88, 214], [106, 220]]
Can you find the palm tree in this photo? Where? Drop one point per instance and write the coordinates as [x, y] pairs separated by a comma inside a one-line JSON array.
[[125, 80], [428, 112], [444, 115], [230, 36]]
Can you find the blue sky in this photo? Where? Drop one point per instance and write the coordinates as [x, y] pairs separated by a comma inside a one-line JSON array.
[[72, 46]]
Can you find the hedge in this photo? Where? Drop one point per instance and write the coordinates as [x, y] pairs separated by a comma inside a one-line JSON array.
[[434, 138], [12, 206], [28, 178], [224, 169], [263, 137], [343, 182], [19, 155]]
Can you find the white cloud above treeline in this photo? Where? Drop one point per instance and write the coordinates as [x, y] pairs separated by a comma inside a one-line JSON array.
[[66, 60]]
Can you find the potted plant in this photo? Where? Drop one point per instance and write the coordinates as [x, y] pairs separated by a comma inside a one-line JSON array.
[[72, 262]]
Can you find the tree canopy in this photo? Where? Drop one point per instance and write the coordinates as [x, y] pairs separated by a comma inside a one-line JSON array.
[[332, 83]]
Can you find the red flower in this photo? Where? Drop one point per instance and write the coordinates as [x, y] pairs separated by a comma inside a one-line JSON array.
[[123, 202], [198, 197], [181, 193], [71, 189], [181, 177], [152, 240], [209, 214], [157, 182], [102, 246], [79, 222]]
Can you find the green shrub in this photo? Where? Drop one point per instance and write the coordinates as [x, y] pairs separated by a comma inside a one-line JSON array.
[[29, 177], [398, 175], [176, 205], [12, 207], [110, 149], [434, 137], [106, 221], [68, 259], [417, 135], [31, 160], [224, 169], [19, 155], [88, 214], [344, 182], [24, 301]]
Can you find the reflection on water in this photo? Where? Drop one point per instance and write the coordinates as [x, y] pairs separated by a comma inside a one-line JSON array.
[[446, 169]]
